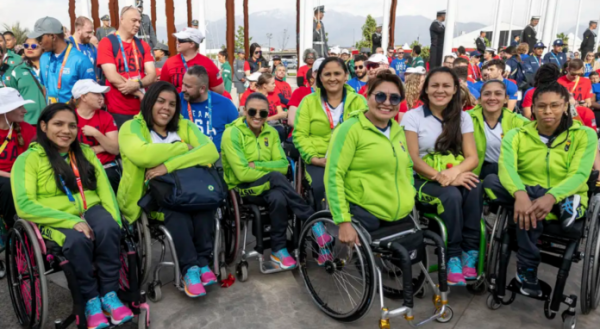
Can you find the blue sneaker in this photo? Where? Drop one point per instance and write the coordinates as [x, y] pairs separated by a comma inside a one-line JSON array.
[[323, 239], [283, 259], [192, 283], [93, 314], [469, 263], [530, 286], [455, 272], [115, 309], [207, 276]]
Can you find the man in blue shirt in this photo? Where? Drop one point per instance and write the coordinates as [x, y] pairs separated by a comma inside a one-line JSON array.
[[556, 56], [399, 65], [208, 110], [532, 63], [62, 65], [494, 70], [84, 31], [595, 80], [360, 69]]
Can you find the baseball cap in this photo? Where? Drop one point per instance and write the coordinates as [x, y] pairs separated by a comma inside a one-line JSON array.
[[317, 64], [378, 58], [85, 86], [190, 33], [11, 99], [475, 53], [46, 25], [558, 42], [276, 57], [161, 46], [240, 51], [195, 22], [345, 51], [416, 70], [539, 45], [254, 76], [335, 50], [105, 18]]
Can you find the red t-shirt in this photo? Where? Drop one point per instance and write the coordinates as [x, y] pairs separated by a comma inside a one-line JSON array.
[[587, 117], [102, 121], [12, 149], [417, 103], [245, 95], [174, 69], [363, 90], [115, 101], [298, 95], [474, 72], [528, 98], [302, 73], [581, 90], [283, 88], [227, 94], [274, 101], [403, 109]]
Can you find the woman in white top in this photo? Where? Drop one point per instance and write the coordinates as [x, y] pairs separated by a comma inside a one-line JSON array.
[[441, 131]]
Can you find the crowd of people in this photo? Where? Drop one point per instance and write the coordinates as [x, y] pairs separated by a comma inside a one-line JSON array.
[[88, 123]]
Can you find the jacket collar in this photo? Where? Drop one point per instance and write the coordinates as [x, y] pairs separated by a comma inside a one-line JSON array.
[[531, 128], [395, 128], [241, 124]]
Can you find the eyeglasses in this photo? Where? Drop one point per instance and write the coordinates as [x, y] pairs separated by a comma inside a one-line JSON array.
[[184, 40], [33, 46], [263, 113], [554, 107], [371, 66], [360, 67], [381, 97]]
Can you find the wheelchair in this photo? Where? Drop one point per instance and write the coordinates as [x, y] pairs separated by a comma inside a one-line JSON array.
[[559, 249], [391, 261], [30, 259]]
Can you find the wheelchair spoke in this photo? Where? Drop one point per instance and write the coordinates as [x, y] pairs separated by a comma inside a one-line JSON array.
[[344, 286]]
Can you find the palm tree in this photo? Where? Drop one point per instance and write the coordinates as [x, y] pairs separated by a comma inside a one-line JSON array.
[[19, 32], [563, 37]]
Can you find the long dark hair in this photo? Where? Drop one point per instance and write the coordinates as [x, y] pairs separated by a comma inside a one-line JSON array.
[[450, 140], [58, 163], [253, 48], [323, 64], [150, 99], [545, 80]]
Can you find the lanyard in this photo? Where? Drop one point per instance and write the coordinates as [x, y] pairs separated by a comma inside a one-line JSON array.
[[62, 67], [557, 61], [79, 185], [184, 64], [125, 57], [474, 71], [575, 86], [7, 139], [191, 114], [75, 43], [536, 60], [330, 117]]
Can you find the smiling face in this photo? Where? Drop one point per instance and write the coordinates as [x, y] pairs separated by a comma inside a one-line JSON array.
[[549, 108], [16, 115], [440, 89], [383, 111], [493, 97], [360, 69], [61, 129], [256, 105], [33, 53], [333, 77], [164, 109]]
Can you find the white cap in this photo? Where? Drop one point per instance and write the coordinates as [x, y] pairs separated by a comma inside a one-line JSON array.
[[85, 86], [190, 33], [378, 58], [254, 76], [490, 49], [416, 70], [11, 99], [317, 64], [335, 50], [345, 51]]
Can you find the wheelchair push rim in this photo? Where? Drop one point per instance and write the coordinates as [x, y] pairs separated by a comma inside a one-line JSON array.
[[144, 248], [590, 281]]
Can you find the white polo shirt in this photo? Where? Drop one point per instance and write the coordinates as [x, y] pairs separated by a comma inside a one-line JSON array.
[[493, 139], [429, 128], [171, 137]]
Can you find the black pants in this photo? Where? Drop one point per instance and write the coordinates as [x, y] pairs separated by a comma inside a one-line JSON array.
[[120, 119], [104, 251], [192, 235], [114, 177], [317, 174], [460, 209], [277, 192], [366, 219], [528, 254], [488, 168], [7, 205]]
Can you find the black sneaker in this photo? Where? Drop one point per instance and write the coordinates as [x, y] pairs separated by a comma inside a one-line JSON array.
[[530, 286], [569, 210]]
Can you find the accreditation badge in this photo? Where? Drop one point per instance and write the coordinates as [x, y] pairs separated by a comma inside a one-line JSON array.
[[52, 100]]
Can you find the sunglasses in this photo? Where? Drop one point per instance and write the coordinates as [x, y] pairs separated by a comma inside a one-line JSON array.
[[372, 66], [360, 67], [33, 46], [184, 40], [258, 52], [263, 113], [381, 97]]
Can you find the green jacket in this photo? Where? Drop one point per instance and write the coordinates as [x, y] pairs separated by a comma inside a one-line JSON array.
[[361, 170], [40, 201], [508, 120], [240, 146], [22, 77], [564, 168], [226, 74], [140, 153], [12, 58], [417, 61], [312, 130]]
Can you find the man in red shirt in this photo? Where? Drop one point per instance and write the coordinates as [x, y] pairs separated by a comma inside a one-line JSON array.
[[282, 88], [576, 84], [188, 43], [124, 73]]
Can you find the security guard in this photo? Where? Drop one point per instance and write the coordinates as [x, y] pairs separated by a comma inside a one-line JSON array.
[[532, 63], [589, 39], [105, 29], [319, 34], [529, 34], [146, 31], [436, 31], [376, 39], [481, 43], [556, 56]]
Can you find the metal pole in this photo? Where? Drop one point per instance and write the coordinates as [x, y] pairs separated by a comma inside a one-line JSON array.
[[512, 14], [385, 30], [597, 38], [200, 5], [392, 14], [555, 26], [572, 46], [549, 22], [542, 24], [497, 22], [451, 14]]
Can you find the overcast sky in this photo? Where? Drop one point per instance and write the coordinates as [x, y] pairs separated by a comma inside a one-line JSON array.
[[27, 11]]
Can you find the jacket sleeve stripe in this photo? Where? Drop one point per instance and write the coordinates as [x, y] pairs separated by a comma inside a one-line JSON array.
[[508, 165]]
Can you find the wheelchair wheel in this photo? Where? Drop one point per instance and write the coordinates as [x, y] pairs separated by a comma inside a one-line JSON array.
[[144, 247], [590, 282], [343, 287], [231, 227], [391, 276], [26, 278]]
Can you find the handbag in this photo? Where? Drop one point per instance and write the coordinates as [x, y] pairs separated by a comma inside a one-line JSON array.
[[189, 190], [441, 162]]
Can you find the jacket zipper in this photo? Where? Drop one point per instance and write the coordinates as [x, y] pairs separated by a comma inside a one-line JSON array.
[[396, 179], [548, 166]]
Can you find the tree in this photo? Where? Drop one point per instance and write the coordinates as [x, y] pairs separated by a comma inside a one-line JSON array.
[[239, 38], [19, 32], [367, 31], [284, 39], [564, 37], [425, 54]]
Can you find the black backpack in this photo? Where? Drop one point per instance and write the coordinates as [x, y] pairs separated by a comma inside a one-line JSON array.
[[115, 50]]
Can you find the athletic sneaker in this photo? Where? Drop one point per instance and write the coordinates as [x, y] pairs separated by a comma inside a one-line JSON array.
[[469, 261], [530, 286], [324, 256], [94, 316], [114, 309], [455, 272], [283, 259], [192, 283], [207, 276], [320, 234], [569, 210]]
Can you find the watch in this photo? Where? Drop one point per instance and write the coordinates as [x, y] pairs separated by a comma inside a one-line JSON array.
[[141, 84]]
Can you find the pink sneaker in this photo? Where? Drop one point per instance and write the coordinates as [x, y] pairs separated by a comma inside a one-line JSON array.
[[94, 316], [283, 259], [114, 309], [323, 239], [455, 273], [469, 261], [207, 277], [324, 256], [192, 283]]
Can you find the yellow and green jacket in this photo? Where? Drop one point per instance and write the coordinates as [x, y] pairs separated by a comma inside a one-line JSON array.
[[38, 199], [240, 146], [140, 153], [563, 168], [508, 120], [366, 168], [312, 130]]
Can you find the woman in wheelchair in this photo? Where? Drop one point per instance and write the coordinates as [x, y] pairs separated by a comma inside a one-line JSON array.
[[444, 157], [60, 185], [97, 128], [255, 164], [554, 189], [156, 142], [358, 184], [317, 116]]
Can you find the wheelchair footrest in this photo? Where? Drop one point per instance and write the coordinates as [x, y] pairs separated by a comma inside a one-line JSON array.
[[515, 286]]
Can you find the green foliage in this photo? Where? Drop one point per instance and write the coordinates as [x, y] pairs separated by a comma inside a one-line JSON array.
[[425, 53], [564, 37], [487, 42], [415, 43], [367, 31], [239, 38], [19, 32]]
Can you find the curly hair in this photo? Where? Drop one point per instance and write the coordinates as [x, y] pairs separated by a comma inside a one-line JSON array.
[[413, 89]]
